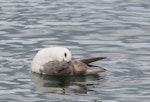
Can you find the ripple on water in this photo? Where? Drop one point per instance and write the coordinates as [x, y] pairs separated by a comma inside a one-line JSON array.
[[116, 29]]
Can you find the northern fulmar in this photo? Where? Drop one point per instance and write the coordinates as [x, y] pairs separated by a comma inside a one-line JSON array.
[[59, 61]]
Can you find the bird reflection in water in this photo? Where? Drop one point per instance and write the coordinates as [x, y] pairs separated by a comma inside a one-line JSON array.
[[64, 84]]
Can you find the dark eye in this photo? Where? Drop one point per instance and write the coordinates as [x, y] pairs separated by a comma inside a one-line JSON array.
[[65, 54]]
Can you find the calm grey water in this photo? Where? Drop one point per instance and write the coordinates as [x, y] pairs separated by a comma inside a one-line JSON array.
[[117, 29]]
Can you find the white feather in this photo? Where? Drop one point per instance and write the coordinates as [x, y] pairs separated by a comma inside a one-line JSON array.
[[50, 54]]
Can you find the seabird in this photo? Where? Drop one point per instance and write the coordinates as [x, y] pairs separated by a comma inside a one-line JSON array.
[[59, 61]]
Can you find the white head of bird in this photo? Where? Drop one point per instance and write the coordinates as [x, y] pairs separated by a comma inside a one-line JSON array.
[[50, 54]]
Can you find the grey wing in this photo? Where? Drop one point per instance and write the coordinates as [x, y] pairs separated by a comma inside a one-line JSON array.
[[90, 60], [55, 68]]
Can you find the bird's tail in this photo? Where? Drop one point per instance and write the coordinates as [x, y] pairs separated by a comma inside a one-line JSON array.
[[95, 69]]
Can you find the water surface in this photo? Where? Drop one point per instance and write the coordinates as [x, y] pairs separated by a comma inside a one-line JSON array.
[[117, 29]]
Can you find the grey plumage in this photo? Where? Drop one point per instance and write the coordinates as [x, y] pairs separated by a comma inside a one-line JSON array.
[[73, 67], [90, 60]]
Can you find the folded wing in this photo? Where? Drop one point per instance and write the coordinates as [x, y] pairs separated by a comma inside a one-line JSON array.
[[74, 67], [55, 68], [90, 60]]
